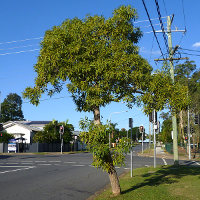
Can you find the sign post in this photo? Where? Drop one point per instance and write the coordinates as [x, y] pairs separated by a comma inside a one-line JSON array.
[[61, 131], [131, 126]]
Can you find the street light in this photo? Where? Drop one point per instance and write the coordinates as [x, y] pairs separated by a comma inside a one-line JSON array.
[[110, 121]]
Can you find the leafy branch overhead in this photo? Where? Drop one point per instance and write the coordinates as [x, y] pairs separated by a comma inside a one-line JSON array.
[[96, 57]]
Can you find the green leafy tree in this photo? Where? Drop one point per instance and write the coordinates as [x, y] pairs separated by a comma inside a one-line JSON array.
[[96, 137], [11, 108], [165, 134], [51, 134], [98, 59]]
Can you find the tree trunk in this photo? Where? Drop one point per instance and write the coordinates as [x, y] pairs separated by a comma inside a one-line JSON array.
[[96, 115], [182, 137], [114, 181]]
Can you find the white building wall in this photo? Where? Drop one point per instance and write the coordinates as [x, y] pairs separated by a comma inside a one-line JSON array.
[[16, 130]]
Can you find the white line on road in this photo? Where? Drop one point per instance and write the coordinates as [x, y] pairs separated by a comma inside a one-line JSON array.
[[40, 161], [12, 163], [44, 164], [78, 165], [17, 166], [54, 161], [165, 163], [15, 170], [70, 162], [126, 168], [197, 163]]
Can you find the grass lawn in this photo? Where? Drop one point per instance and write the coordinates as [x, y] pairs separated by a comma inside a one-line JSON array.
[[162, 183]]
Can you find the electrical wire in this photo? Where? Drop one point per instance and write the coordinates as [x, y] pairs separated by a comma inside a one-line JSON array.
[[161, 24], [183, 13], [165, 7], [56, 98], [21, 40], [31, 45], [3, 54], [147, 20], [188, 49], [190, 54], [152, 28]]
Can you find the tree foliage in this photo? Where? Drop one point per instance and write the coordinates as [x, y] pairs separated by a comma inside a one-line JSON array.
[[51, 134], [97, 57], [96, 136], [11, 108], [5, 137]]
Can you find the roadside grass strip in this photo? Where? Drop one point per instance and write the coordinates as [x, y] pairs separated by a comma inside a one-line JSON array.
[[161, 183]]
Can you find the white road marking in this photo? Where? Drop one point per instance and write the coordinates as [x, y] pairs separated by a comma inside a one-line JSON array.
[[27, 161], [78, 165], [70, 162], [15, 170], [44, 164], [54, 161], [197, 163], [126, 168], [165, 163], [12, 163], [40, 161], [16, 166]]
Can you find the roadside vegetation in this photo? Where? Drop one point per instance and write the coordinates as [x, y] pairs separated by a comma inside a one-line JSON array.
[[166, 182]]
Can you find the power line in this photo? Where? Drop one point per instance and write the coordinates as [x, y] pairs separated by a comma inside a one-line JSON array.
[[18, 47], [165, 7], [56, 98], [21, 40], [152, 28], [188, 49], [147, 20], [161, 24], [183, 13], [3, 54], [190, 54]]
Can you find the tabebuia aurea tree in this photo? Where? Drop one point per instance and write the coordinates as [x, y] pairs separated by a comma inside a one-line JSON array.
[[97, 59]]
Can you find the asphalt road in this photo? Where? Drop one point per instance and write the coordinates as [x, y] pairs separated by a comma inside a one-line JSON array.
[[50, 177]]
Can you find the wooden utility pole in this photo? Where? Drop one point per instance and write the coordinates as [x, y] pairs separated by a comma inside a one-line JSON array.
[[171, 59]]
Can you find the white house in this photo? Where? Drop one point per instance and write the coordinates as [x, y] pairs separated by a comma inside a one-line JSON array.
[[24, 129]]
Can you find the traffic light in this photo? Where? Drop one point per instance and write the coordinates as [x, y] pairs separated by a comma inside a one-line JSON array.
[[61, 129], [141, 129], [185, 129], [186, 138], [1, 127], [151, 117], [191, 129], [130, 122], [197, 119]]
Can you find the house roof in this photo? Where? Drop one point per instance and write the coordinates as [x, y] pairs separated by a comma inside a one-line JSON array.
[[30, 125]]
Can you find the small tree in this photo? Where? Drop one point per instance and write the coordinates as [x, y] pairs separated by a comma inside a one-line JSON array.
[[51, 134], [96, 137], [11, 108]]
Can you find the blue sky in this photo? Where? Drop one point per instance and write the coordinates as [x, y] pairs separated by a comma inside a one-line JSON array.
[[23, 24]]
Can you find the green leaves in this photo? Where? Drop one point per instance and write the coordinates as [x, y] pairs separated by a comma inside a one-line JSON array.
[[97, 57], [97, 139]]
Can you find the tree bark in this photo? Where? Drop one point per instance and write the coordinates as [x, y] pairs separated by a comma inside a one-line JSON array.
[[114, 181], [96, 115]]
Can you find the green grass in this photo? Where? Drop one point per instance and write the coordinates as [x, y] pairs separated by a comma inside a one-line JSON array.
[[163, 183]]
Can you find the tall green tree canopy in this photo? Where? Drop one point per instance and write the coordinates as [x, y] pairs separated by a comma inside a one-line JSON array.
[[97, 58], [11, 108]]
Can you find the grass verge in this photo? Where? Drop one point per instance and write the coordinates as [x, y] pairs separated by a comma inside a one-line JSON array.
[[162, 183]]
